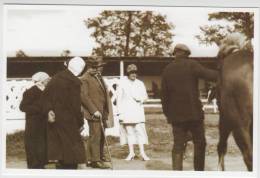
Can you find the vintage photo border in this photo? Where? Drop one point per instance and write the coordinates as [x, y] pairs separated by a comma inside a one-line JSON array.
[[128, 173]]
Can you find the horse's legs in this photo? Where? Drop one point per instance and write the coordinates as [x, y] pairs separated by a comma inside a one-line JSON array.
[[243, 139], [224, 132]]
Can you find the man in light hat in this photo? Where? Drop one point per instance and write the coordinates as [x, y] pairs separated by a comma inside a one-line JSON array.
[[63, 107], [35, 125], [97, 106], [182, 106]]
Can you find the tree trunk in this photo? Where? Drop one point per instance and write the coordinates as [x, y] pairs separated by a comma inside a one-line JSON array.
[[128, 31]]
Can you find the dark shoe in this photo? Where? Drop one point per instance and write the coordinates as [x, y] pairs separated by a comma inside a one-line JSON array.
[[88, 163], [99, 165]]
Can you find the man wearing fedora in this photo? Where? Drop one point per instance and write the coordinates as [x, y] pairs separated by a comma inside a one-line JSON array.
[[97, 107], [182, 106]]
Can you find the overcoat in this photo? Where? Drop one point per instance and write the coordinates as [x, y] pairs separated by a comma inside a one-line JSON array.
[[62, 95], [129, 109], [35, 128], [180, 94], [95, 97]]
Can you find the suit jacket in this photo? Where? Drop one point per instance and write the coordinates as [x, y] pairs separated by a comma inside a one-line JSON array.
[[95, 97], [180, 94]]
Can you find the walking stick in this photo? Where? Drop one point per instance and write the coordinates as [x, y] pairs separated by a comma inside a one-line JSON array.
[[103, 130]]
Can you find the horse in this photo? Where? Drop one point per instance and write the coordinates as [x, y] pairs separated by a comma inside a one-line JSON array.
[[235, 100]]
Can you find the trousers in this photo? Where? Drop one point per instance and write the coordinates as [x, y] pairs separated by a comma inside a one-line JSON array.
[[180, 131], [95, 144]]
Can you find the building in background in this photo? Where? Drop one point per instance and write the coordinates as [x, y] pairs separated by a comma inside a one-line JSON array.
[[152, 67]]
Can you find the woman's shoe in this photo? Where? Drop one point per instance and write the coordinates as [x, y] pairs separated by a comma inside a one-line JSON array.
[[145, 157], [130, 157]]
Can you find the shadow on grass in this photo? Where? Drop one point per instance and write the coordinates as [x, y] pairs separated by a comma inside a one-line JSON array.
[[157, 165]]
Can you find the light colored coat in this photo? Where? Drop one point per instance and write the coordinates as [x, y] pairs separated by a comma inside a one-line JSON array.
[[130, 110]]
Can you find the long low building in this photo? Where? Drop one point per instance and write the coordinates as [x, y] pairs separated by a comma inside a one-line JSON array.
[[150, 68]]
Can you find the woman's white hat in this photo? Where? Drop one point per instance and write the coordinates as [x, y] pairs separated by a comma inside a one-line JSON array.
[[40, 76]]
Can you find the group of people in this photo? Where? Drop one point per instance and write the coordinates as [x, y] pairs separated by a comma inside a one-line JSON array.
[[56, 107]]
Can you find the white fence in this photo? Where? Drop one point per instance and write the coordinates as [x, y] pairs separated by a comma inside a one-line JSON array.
[[15, 119]]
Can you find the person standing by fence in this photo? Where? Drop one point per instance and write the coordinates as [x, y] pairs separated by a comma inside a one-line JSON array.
[[131, 95], [182, 106], [35, 122]]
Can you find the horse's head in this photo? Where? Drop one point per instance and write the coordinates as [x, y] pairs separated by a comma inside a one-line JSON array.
[[232, 43]]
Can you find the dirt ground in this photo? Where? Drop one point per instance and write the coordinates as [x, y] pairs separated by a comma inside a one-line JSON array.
[[159, 149]]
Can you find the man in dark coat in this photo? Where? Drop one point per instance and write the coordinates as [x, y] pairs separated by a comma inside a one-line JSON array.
[[35, 122], [182, 106], [63, 105], [97, 105]]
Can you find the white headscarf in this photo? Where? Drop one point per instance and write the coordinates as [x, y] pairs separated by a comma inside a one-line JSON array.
[[76, 65], [38, 78]]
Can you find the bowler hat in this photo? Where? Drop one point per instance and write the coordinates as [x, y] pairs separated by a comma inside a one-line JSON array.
[[95, 61], [182, 47]]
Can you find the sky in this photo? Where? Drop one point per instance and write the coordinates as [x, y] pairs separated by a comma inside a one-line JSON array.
[[48, 30]]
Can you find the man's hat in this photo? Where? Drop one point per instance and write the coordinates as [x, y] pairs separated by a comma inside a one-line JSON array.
[[131, 68], [95, 61], [182, 47]]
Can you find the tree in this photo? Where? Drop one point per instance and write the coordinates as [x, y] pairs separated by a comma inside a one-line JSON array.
[[242, 22], [131, 33], [65, 53], [20, 53]]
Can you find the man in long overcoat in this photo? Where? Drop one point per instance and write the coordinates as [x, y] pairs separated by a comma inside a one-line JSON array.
[[97, 105], [182, 106], [63, 106]]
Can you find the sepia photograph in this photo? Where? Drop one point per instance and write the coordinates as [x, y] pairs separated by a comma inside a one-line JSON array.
[[139, 88]]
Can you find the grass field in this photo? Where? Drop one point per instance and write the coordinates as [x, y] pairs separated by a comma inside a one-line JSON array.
[[159, 148]]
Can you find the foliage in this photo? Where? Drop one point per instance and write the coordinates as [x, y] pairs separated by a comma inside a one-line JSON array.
[[65, 53], [131, 33], [20, 53], [242, 22]]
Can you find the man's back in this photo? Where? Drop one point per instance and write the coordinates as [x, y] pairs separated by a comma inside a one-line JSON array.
[[180, 94]]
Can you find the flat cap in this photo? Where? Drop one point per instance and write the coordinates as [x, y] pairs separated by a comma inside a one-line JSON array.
[[182, 47]]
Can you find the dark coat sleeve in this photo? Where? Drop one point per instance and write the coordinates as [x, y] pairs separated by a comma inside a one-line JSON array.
[[28, 103], [47, 97], [204, 73], [86, 99], [165, 97]]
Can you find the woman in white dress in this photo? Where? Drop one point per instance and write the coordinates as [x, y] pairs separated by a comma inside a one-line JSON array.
[[131, 95]]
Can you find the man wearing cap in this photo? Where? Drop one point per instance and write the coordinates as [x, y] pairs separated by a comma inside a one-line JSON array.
[[182, 106], [63, 108], [97, 107], [35, 125]]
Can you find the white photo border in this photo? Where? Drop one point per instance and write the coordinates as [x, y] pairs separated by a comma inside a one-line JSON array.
[[238, 5]]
